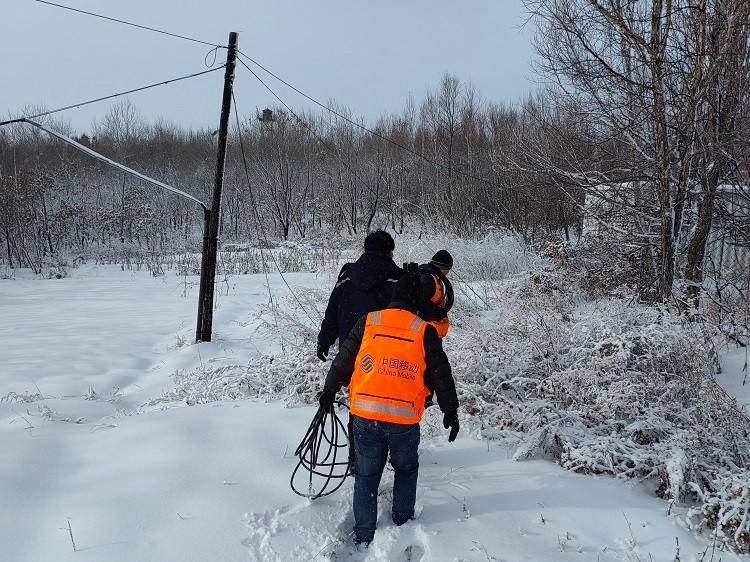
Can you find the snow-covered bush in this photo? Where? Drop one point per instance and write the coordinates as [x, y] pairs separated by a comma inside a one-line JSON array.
[[6, 272], [54, 268], [608, 386], [603, 265], [292, 375], [495, 256]]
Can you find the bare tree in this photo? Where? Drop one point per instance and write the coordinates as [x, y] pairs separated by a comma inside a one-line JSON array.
[[639, 73]]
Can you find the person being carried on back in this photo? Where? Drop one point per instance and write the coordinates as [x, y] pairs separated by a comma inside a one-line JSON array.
[[361, 287], [391, 360], [437, 291]]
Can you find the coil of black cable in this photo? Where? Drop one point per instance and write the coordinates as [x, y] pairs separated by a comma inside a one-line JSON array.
[[326, 441]]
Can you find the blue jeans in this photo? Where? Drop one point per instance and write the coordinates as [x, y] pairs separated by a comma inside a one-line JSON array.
[[372, 442]]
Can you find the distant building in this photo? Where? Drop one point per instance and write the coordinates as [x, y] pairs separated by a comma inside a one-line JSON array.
[[728, 250], [610, 209]]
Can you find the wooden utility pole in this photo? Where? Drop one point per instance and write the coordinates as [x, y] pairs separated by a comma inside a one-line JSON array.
[[212, 217]]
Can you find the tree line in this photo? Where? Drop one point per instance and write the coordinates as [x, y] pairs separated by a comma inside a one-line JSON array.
[[436, 164]]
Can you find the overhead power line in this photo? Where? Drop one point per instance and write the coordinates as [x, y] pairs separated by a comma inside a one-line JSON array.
[[109, 162], [260, 231], [132, 24], [109, 97], [286, 83], [256, 216], [359, 125], [309, 127], [283, 81]]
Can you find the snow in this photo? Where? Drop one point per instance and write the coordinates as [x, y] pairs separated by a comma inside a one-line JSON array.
[[734, 376], [84, 356], [110, 329], [210, 483]]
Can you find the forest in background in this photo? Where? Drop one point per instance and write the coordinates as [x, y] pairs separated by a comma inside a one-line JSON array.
[[637, 140], [309, 173]]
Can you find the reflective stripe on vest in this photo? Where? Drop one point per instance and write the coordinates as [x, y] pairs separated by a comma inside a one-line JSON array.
[[379, 407], [416, 324], [388, 379]]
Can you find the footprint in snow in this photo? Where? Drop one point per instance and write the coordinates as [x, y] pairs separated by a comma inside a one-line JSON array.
[[413, 553]]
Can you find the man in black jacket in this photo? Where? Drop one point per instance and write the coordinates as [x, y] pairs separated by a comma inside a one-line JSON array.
[[390, 361], [363, 286]]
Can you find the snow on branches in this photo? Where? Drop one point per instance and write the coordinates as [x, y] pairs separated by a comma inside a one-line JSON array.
[[608, 386]]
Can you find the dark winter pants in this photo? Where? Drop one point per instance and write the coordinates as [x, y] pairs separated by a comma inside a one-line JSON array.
[[372, 442]]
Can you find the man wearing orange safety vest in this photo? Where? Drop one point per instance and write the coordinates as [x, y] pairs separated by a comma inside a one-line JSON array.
[[437, 291], [391, 361]]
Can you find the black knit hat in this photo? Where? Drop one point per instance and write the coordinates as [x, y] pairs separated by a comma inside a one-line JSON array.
[[442, 260], [379, 242], [408, 290]]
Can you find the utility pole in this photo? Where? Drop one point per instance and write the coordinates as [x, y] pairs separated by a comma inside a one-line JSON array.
[[211, 218]]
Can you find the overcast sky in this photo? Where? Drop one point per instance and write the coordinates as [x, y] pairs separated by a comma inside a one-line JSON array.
[[367, 54]]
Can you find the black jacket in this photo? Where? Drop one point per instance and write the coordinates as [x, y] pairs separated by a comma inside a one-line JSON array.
[[363, 286], [438, 377], [428, 310]]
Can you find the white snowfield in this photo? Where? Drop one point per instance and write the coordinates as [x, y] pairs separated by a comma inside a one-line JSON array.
[[85, 462]]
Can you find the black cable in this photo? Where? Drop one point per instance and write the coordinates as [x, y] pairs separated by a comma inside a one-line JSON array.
[[259, 226], [134, 90], [317, 454], [212, 53], [363, 127], [319, 138], [139, 26], [110, 162]]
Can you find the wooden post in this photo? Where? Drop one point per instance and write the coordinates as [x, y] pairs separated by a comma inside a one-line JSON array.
[[204, 275], [211, 232]]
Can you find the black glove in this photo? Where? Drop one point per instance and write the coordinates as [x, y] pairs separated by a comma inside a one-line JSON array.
[[451, 420], [326, 399], [322, 352]]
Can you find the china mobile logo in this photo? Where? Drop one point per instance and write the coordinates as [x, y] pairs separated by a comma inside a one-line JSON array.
[[367, 363]]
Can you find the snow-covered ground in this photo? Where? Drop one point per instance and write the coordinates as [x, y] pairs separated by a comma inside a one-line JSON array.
[[83, 355]]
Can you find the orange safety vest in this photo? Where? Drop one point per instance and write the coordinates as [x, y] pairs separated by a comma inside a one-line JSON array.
[[442, 326], [439, 294], [438, 298], [388, 379]]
